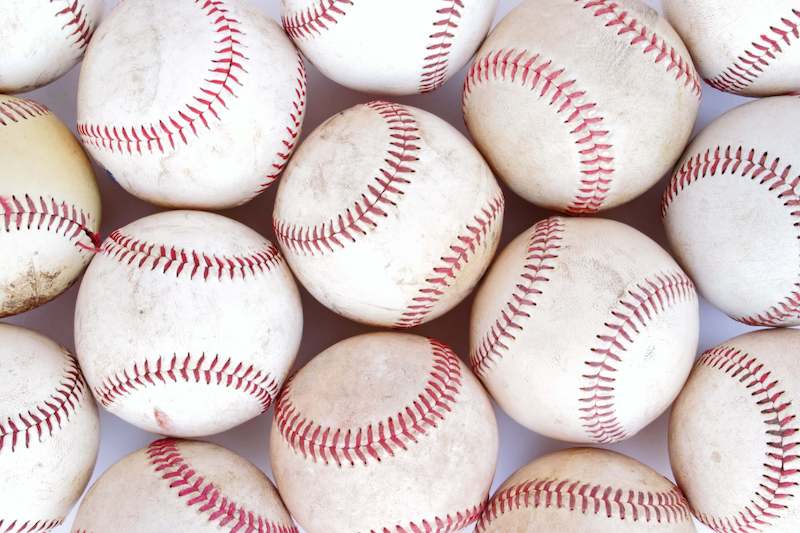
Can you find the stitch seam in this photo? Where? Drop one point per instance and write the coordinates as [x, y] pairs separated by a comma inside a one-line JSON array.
[[20, 213], [15, 110], [8, 525], [450, 523], [76, 22], [437, 62], [315, 19]]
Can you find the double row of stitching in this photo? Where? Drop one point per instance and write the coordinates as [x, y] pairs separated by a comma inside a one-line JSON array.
[[436, 63], [588, 498], [781, 467], [16, 110], [317, 18], [449, 523], [75, 17], [8, 525], [458, 255], [384, 190], [18, 213], [211, 98], [350, 446]]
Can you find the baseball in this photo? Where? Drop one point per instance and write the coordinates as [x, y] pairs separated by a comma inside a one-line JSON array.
[[186, 323], [732, 212], [584, 330], [42, 40], [49, 206], [380, 46], [49, 431], [384, 432], [388, 215], [734, 434], [742, 46], [183, 487], [581, 125], [190, 103], [587, 490]]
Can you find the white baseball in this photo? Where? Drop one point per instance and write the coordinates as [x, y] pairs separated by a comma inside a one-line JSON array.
[[49, 431], [742, 46], [43, 39], [186, 323], [380, 46], [384, 432], [585, 490], [191, 103], [183, 487], [734, 434], [732, 212], [584, 330], [49, 206], [587, 123], [388, 215]]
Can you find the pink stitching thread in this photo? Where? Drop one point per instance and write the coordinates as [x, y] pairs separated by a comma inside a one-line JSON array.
[[15, 110], [374, 441], [386, 189], [746, 163], [165, 258], [754, 61], [434, 70], [197, 492], [77, 22], [47, 416], [634, 312], [315, 19], [449, 523], [29, 526], [222, 372], [226, 65], [592, 141], [25, 213], [542, 250], [455, 259], [779, 478], [587, 498]]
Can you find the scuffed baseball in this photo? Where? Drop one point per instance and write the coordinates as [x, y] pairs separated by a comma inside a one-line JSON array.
[[43, 39], [49, 206], [384, 432], [584, 330], [380, 46], [183, 487], [581, 105], [388, 215], [585, 490], [49, 431], [186, 323], [189, 103], [742, 46], [734, 434], [732, 212]]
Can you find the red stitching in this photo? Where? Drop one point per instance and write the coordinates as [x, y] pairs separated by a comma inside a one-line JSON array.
[[197, 492], [587, 498], [386, 189], [315, 19], [374, 441], [592, 142], [542, 250], [619, 18], [634, 312], [449, 523], [224, 70], [754, 61], [779, 478], [47, 416], [15, 110], [455, 259], [195, 263], [18, 213], [218, 371], [434, 70], [77, 22], [29, 526], [746, 163]]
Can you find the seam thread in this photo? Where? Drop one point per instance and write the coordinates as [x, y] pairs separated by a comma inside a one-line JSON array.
[[29, 526], [15, 110], [76, 22], [226, 67], [761, 169], [755, 60], [587, 498], [46, 213], [542, 250], [385, 190], [450, 523], [22, 430], [781, 467], [375, 441], [436, 63], [205, 370], [320, 16], [634, 312], [559, 92], [202, 495], [455, 259], [195, 263]]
